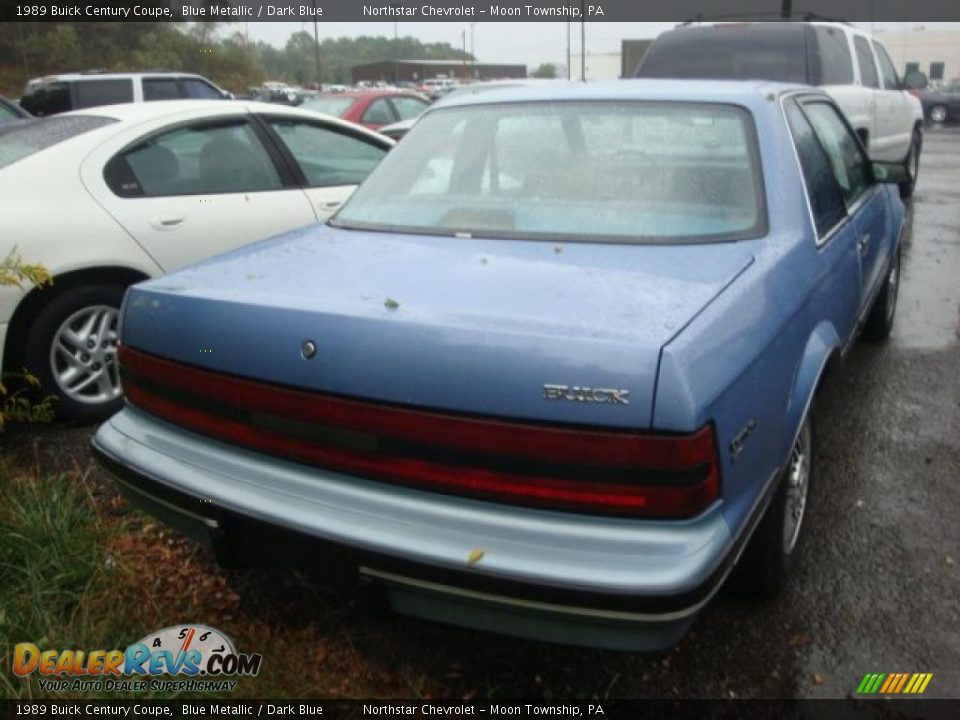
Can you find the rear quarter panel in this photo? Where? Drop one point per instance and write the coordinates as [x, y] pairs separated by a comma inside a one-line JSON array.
[[752, 357]]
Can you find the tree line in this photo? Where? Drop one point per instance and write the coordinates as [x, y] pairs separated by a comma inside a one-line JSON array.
[[219, 51]]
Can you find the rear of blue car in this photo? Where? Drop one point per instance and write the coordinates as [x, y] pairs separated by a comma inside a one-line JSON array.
[[456, 383]]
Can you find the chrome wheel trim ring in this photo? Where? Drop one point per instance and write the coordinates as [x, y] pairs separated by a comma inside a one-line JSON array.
[[798, 484], [83, 355]]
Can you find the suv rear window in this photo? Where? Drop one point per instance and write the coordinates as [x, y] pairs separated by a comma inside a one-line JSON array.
[[593, 171], [768, 51], [20, 140], [47, 98]]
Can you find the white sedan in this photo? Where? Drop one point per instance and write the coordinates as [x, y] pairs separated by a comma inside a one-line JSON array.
[[110, 196]]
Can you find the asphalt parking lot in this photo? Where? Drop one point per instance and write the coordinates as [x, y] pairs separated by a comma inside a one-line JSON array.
[[877, 583]]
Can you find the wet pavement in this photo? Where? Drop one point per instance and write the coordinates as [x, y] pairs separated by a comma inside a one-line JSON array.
[[876, 587]]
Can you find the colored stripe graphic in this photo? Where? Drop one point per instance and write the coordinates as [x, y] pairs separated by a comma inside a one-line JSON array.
[[894, 683]]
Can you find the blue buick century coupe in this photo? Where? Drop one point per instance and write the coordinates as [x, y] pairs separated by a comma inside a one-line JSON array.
[[551, 369]]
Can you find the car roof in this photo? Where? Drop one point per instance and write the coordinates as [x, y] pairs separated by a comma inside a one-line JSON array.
[[718, 91], [761, 25], [71, 77], [139, 112], [371, 92]]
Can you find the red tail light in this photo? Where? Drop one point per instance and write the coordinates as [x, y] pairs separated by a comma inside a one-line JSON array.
[[576, 469]]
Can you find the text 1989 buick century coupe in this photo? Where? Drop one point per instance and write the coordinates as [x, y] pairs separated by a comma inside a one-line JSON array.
[[548, 372]]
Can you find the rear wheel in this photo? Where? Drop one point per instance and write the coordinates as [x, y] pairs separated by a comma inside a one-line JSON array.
[[880, 321], [938, 113], [71, 348], [770, 553], [913, 165]]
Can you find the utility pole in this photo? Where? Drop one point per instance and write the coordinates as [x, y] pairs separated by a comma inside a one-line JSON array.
[[786, 9], [396, 67], [464, 33], [569, 71], [583, 44]]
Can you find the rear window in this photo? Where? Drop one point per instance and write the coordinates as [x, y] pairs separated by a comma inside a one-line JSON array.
[[93, 93], [775, 52], [335, 106], [20, 140], [602, 171], [46, 98]]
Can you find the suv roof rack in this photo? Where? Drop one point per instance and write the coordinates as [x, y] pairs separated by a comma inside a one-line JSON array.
[[806, 17]]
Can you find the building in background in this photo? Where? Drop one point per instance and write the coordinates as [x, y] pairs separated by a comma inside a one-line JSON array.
[[599, 66], [420, 70], [934, 52]]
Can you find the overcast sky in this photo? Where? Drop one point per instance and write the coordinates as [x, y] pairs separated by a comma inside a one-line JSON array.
[[499, 42]]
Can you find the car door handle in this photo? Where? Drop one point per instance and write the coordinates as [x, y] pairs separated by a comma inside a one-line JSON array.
[[332, 205], [864, 243], [168, 222]]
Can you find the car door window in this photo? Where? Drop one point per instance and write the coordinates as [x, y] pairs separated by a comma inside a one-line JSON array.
[[408, 107], [199, 90], [327, 157], [868, 71], [826, 198], [160, 89], [7, 113], [93, 93], [226, 157], [850, 166], [378, 113], [887, 70]]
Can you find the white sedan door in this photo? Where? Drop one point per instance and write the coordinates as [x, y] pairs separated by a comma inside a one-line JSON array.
[[197, 187], [331, 159]]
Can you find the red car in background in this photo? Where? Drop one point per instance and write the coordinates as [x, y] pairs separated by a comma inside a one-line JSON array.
[[371, 108]]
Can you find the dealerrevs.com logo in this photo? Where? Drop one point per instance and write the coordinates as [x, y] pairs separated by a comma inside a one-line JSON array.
[[203, 657]]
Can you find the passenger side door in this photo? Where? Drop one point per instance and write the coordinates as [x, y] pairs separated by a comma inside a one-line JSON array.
[[866, 202], [198, 188], [330, 160]]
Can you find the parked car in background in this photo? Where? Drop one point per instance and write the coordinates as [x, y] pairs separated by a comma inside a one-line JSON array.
[[942, 104], [10, 110], [371, 108], [107, 197], [397, 130], [550, 371], [854, 69], [76, 91]]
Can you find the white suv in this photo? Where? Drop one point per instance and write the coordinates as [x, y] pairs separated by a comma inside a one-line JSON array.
[[845, 62], [76, 91]]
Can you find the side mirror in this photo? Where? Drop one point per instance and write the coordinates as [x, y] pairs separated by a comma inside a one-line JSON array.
[[892, 173], [915, 81]]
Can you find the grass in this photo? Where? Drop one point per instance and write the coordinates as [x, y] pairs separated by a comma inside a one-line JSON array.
[[51, 560]]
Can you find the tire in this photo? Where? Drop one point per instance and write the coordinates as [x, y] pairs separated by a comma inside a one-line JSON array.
[[913, 164], [770, 553], [71, 348], [939, 113], [880, 321]]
